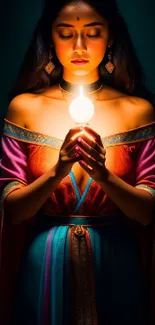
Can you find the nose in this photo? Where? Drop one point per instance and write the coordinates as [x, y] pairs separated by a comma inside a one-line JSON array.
[[80, 44]]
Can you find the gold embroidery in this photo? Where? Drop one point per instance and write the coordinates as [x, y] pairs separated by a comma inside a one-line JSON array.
[[135, 135], [82, 284], [79, 230], [146, 188]]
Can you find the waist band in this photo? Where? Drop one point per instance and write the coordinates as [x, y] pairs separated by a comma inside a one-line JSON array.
[[92, 221]]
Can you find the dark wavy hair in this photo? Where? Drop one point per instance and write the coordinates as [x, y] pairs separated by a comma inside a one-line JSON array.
[[127, 76]]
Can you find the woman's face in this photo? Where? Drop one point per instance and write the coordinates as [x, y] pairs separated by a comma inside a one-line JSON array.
[[79, 33]]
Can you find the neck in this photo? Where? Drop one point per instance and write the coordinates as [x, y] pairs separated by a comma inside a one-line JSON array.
[[88, 88]]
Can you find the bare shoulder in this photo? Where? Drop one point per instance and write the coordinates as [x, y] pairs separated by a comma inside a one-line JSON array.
[[21, 106], [138, 110]]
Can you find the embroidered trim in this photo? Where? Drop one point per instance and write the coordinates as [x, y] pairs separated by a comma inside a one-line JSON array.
[[10, 186], [83, 305], [26, 135], [75, 186], [141, 133], [146, 188], [80, 198]]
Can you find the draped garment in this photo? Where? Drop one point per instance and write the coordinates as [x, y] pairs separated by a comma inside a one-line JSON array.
[[79, 260]]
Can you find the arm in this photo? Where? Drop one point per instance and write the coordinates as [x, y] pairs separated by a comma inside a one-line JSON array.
[[31, 197], [22, 200], [135, 203]]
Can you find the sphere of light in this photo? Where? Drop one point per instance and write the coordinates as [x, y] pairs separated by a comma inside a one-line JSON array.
[[81, 108]]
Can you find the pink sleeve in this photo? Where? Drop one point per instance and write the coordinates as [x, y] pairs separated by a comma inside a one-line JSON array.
[[145, 166], [13, 166], [13, 238]]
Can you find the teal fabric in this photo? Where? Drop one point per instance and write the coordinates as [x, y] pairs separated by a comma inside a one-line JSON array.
[[80, 198], [119, 282], [41, 303], [57, 270]]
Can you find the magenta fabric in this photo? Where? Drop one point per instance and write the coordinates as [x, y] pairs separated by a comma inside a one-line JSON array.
[[145, 164], [133, 161], [14, 161]]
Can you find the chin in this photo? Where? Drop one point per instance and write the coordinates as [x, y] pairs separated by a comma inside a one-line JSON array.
[[80, 72]]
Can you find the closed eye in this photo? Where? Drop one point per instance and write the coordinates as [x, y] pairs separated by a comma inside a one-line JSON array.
[[88, 35], [63, 36], [95, 35]]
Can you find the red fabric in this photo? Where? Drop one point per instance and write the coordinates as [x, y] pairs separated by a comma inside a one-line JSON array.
[[36, 159]]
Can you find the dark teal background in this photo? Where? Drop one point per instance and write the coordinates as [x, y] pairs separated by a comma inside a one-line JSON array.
[[18, 19]]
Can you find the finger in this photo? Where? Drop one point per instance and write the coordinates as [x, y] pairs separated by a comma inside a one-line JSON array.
[[96, 137], [70, 145], [75, 130], [90, 160], [72, 133], [94, 149], [86, 167], [66, 159], [91, 131], [71, 153], [80, 133], [90, 141], [88, 137]]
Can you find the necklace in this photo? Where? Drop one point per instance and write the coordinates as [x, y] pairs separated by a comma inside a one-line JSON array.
[[89, 89], [70, 91]]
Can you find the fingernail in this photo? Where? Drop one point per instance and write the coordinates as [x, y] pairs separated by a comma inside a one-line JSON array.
[[79, 139], [77, 155], [76, 147], [82, 162]]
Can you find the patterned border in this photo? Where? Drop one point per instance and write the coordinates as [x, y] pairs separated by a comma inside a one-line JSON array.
[[26, 135], [146, 188], [139, 134], [142, 133], [10, 187]]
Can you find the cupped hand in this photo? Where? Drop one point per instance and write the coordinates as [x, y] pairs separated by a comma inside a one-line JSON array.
[[68, 154], [92, 153]]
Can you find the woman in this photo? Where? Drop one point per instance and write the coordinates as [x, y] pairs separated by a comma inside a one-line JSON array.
[[76, 201]]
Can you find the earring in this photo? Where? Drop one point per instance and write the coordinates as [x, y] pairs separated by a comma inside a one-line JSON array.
[[50, 65], [109, 65]]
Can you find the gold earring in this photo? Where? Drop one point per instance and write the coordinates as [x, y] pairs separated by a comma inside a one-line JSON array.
[[50, 65], [109, 65]]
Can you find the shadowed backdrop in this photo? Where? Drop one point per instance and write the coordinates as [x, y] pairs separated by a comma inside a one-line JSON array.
[[19, 18]]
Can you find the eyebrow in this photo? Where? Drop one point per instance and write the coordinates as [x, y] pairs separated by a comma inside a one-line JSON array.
[[95, 23]]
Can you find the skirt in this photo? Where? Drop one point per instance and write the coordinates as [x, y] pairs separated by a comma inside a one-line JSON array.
[[81, 270]]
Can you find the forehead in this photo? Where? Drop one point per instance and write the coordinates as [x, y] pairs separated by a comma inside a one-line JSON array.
[[78, 12]]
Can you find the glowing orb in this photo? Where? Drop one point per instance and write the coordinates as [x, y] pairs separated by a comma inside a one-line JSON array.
[[81, 108]]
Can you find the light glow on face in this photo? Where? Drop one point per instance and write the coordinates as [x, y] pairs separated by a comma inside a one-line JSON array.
[[81, 108], [86, 38]]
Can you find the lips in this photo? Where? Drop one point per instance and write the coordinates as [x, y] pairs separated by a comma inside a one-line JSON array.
[[79, 61]]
